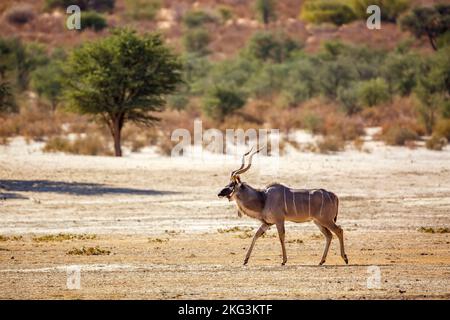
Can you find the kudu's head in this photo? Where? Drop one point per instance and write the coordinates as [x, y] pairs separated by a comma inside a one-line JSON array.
[[235, 181]]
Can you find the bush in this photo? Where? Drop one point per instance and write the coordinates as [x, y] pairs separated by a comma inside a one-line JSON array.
[[331, 11], [330, 144], [398, 135], [221, 101], [436, 143], [348, 97], [266, 10], [272, 46], [390, 10], [197, 18], [93, 145], [96, 5], [373, 92], [197, 41], [93, 20], [142, 9], [20, 14], [225, 12], [442, 128]]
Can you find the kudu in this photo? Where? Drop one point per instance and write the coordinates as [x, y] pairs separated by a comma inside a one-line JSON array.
[[277, 203]]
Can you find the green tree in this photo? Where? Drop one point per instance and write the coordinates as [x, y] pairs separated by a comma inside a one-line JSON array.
[[196, 41], [433, 88], [47, 80], [373, 92], [431, 22], [323, 11], [400, 71], [121, 78], [266, 10], [336, 74], [221, 101], [7, 101], [390, 10], [97, 5], [92, 20], [271, 46], [348, 98]]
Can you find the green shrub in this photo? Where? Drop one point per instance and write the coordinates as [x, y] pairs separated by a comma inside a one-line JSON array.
[[197, 41], [93, 20], [390, 10], [312, 123], [266, 10], [197, 18], [373, 92], [20, 14], [225, 12], [142, 9], [96, 5], [348, 97], [271, 46], [221, 101], [331, 11]]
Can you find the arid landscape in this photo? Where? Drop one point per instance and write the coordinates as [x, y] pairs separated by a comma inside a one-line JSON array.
[[156, 229]]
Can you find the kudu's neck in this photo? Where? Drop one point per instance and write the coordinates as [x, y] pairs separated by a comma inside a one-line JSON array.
[[250, 201]]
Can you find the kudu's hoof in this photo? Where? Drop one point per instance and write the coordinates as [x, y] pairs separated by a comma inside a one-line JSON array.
[[346, 260], [283, 263], [245, 263], [321, 262]]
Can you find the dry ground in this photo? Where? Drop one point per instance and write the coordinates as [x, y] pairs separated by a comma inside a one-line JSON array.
[[159, 218]]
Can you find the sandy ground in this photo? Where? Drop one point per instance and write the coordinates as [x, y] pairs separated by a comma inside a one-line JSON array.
[[160, 219]]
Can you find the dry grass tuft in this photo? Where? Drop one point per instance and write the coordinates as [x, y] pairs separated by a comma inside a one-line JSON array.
[[433, 230], [64, 236], [89, 251]]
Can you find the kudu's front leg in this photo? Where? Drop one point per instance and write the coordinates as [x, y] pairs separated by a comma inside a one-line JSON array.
[[281, 232], [258, 234]]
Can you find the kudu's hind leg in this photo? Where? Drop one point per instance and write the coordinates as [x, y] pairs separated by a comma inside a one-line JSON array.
[[281, 235], [337, 230], [258, 234], [328, 236]]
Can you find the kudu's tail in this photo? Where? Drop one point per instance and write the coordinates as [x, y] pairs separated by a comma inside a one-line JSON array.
[[337, 207]]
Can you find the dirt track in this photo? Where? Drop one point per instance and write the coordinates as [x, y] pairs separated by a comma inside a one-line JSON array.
[[159, 218]]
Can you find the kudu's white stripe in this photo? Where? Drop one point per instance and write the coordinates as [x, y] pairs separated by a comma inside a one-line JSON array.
[[285, 205], [293, 201], [321, 205]]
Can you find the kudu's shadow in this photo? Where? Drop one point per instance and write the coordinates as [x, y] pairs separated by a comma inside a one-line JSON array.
[[73, 188]]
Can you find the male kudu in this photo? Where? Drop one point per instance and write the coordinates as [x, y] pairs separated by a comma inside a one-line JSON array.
[[277, 203]]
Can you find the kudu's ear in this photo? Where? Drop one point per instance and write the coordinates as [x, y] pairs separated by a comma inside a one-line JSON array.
[[238, 179]]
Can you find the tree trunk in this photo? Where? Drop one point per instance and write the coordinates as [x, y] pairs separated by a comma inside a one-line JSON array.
[[432, 42], [116, 132]]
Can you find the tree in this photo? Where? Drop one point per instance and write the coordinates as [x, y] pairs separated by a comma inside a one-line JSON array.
[[334, 74], [266, 10], [400, 72], [431, 22], [327, 11], [47, 80], [196, 41], [7, 101], [373, 92], [271, 46], [121, 78], [221, 101], [433, 88], [390, 10]]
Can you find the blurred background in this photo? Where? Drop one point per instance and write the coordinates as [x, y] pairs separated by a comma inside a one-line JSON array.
[[309, 67]]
